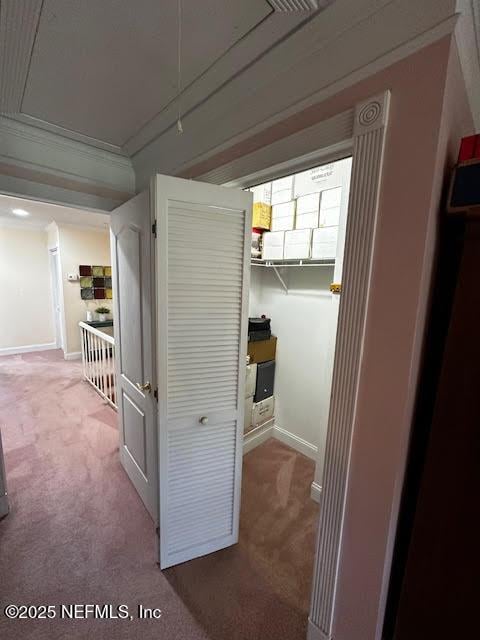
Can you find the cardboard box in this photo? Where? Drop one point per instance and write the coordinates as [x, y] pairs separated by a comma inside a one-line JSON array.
[[250, 380], [261, 215], [272, 245], [247, 418], [262, 411], [283, 216], [297, 244], [324, 243], [262, 350], [282, 190]]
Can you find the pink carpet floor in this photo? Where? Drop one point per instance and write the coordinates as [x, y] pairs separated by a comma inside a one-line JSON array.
[[78, 533]]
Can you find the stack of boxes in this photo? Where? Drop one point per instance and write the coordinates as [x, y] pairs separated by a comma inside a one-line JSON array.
[[261, 216], [259, 383], [297, 217]]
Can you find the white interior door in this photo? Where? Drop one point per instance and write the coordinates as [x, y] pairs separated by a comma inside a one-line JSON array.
[[131, 246], [203, 271], [56, 297]]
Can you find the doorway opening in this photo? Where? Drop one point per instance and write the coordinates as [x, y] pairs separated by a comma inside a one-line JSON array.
[[298, 237], [57, 299]]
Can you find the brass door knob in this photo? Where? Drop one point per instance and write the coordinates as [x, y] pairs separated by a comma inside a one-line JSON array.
[[144, 387], [203, 420]]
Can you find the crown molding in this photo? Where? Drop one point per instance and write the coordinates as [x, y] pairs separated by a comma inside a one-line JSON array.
[[60, 142], [44, 158], [68, 134]]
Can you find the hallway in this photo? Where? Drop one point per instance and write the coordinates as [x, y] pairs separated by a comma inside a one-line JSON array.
[[78, 533]]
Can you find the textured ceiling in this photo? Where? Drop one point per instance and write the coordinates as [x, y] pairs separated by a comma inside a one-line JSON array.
[[105, 68], [42, 214]]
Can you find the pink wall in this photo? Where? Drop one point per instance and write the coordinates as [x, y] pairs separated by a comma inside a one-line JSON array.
[[422, 140], [430, 114]]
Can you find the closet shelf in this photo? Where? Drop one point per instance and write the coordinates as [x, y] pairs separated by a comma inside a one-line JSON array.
[[292, 263], [276, 264]]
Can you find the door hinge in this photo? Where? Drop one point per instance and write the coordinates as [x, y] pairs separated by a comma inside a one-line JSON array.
[[154, 228], [155, 393], [157, 531]]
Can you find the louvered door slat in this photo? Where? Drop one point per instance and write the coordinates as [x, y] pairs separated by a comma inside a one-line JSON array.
[[203, 266]]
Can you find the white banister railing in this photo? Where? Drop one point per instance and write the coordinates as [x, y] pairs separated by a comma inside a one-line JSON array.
[[98, 359]]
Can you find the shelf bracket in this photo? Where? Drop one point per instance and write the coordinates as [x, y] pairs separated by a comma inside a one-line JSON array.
[[280, 279]]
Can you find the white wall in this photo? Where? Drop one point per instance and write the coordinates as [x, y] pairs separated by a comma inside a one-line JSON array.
[[305, 323], [26, 311], [79, 246], [301, 320]]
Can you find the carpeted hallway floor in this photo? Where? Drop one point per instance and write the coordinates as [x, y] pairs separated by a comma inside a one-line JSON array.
[[78, 533]]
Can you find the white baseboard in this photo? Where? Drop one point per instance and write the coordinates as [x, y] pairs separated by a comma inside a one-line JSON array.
[[297, 443], [314, 633], [256, 436], [315, 491], [74, 355], [28, 348]]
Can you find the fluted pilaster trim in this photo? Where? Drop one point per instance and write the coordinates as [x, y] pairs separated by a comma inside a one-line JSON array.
[[369, 140]]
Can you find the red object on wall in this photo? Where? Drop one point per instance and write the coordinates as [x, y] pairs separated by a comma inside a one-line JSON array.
[[469, 148]]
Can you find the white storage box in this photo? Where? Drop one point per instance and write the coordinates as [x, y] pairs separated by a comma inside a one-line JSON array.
[[330, 207], [250, 380], [262, 193], [247, 419], [331, 198], [297, 244], [283, 216], [282, 190], [262, 411], [324, 243], [330, 217], [272, 245], [319, 178], [308, 207]]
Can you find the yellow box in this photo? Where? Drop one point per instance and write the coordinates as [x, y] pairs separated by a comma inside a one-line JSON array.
[[261, 216]]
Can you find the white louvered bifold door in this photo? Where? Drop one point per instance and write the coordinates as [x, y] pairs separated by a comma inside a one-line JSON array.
[[203, 265]]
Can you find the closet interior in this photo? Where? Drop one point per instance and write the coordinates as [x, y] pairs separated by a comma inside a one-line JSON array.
[[298, 238]]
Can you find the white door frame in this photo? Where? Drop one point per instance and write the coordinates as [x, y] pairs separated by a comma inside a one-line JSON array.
[[57, 297], [360, 131]]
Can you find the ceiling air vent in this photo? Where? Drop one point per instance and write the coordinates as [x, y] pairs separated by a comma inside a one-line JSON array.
[[296, 5]]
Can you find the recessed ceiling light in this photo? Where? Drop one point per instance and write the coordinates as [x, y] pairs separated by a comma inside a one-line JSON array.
[[20, 212]]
